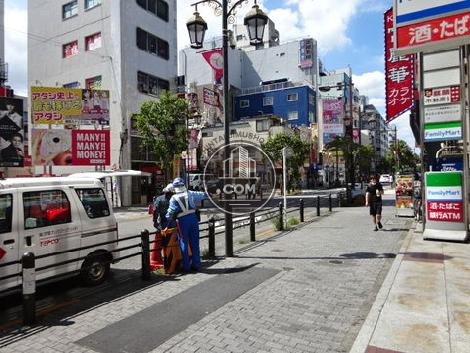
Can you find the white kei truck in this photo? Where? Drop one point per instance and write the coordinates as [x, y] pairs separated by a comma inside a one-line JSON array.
[[53, 215]]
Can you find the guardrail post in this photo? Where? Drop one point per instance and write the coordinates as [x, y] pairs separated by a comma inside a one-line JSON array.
[[281, 216], [211, 230], [330, 203], [318, 206], [252, 227], [144, 238], [302, 218], [29, 288]]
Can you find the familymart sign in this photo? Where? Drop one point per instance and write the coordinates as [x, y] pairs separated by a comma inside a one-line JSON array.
[[443, 131]]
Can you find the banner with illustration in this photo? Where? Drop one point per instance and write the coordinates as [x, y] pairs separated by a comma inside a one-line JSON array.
[[12, 132], [333, 123], [62, 147], [69, 106]]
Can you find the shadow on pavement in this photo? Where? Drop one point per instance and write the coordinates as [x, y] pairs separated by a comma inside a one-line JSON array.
[[58, 303], [221, 271], [349, 256]]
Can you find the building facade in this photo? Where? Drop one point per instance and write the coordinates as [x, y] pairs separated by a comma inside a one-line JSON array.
[[128, 47]]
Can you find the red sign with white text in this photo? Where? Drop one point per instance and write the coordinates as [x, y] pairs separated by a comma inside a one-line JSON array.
[[442, 95], [399, 75], [440, 29], [91, 147], [445, 211]]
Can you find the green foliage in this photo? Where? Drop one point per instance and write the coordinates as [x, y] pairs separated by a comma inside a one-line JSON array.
[[364, 155], [292, 222], [205, 254], [162, 125], [273, 148], [243, 241], [348, 149], [277, 223], [401, 158]]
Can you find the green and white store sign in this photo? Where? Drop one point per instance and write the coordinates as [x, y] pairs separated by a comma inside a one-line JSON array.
[[443, 131]]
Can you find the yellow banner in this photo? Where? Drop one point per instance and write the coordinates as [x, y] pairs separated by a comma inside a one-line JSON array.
[[49, 105]]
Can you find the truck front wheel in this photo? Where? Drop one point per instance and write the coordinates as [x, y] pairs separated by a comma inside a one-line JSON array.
[[95, 269]]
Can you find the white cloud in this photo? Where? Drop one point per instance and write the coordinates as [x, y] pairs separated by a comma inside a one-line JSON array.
[[16, 27], [371, 84]]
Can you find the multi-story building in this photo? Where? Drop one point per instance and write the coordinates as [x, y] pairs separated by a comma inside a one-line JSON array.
[[127, 47], [271, 37], [378, 131]]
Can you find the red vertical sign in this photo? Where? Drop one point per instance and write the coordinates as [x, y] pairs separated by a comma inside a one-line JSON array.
[[399, 75], [91, 147]]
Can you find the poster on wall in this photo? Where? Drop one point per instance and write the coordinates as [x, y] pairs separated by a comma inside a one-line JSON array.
[[61, 147], [444, 196], [333, 123], [12, 132], [71, 106], [211, 97], [306, 53]]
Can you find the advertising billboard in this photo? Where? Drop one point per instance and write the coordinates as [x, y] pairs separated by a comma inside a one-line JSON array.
[[72, 106], [63, 147], [424, 24], [399, 75], [12, 132], [333, 119]]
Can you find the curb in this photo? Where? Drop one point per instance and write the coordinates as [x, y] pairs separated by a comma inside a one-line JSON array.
[[368, 327]]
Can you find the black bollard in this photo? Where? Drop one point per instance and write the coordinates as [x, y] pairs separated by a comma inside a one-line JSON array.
[[318, 206], [302, 218], [330, 203], [211, 237], [281, 216], [29, 288], [144, 238], [252, 227]]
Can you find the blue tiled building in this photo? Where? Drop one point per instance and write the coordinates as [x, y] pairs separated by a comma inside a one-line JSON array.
[[294, 103]]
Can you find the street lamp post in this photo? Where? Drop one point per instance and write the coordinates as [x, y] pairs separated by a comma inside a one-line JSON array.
[[255, 21]]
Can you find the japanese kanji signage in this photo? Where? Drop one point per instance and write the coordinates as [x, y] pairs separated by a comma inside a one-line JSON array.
[[444, 197], [73, 106], [306, 53], [442, 95], [440, 23], [399, 76], [211, 97], [443, 113]]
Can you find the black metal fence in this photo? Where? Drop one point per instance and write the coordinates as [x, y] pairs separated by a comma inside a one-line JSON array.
[[28, 260]]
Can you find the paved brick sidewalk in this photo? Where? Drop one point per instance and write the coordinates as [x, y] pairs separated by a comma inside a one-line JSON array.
[[330, 271]]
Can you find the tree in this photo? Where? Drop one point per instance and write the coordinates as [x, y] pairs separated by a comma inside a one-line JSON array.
[[162, 125], [364, 156], [401, 158], [348, 148], [273, 148]]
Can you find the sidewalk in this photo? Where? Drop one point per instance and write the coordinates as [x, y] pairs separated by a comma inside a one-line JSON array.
[[307, 290], [424, 303]]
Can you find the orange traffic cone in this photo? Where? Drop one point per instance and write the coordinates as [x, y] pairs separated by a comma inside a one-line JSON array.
[[156, 260]]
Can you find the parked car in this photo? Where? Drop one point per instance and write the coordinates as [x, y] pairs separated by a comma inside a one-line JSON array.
[[386, 179], [53, 216]]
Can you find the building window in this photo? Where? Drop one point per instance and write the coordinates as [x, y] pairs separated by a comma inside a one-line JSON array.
[[6, 213], [93, 82], [93, 42], [244, 103], [70, 9], [70, 49], [267, 101], [45, 208], [311, 117], [150, 84], [293, 115], [91, 3], [292, 97], [152, 44], [262, 125], [157, 7], [94, 202], [75, 84]]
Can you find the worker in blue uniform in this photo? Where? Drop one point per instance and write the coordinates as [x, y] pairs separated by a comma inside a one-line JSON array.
[[183, 207]]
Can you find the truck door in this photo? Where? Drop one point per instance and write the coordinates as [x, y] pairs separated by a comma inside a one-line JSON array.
[[51, 224], [9, 245]]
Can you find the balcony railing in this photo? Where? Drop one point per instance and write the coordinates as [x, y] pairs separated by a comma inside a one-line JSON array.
[[273, 87]]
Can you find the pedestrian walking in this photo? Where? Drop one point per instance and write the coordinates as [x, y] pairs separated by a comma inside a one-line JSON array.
[[374, 194], [183, 207]]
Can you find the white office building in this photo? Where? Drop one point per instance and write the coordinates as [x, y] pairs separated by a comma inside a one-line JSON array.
[[128, 47]]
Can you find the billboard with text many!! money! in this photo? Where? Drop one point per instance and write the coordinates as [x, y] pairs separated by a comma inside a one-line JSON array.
[[63, 147]]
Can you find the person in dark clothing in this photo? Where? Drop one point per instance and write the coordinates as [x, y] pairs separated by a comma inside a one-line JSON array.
[[161, 205], [374, 194]]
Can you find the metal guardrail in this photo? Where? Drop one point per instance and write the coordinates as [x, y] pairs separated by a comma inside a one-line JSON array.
[[28, 260]]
